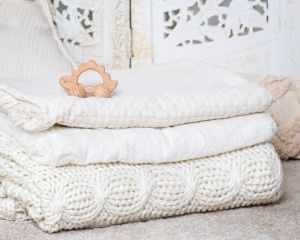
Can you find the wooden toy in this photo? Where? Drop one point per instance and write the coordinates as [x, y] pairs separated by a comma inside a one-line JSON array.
[[104, 90]]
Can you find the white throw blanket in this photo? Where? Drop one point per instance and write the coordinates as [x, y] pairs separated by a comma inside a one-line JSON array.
[[158, 96], [39, 174], [72, 197], [61, 145]]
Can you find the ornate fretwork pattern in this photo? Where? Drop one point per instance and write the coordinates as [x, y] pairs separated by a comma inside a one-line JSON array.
[[75, 25], [91, 30], [203, 21]]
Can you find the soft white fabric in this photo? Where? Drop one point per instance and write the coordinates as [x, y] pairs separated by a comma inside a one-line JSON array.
[[99, 195], [61, 145], [157, 96], [27, 43]]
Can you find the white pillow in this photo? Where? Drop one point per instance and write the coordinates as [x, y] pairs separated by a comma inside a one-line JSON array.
[[28, 44]]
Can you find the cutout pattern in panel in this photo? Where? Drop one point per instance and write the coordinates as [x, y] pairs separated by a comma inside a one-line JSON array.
[[91, 29], [75, 24], [212, 20]]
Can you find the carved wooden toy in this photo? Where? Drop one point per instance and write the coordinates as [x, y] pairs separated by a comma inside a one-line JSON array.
[[70, 83]]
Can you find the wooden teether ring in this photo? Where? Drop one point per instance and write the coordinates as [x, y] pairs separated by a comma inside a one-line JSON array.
[[70, 83], [77, 90], [101, 91]]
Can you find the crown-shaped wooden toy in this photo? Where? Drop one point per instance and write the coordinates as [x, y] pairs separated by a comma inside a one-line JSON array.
[[70, 83]]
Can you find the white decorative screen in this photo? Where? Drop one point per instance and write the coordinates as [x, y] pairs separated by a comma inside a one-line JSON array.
[[212, 21], [206, 29], [254, 36], [94, 29]]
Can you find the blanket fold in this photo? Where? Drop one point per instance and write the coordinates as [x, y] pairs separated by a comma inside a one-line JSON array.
[[73, 197], [159, 96], [61, 145]]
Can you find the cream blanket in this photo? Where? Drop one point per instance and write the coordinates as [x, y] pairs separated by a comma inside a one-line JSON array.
[[285, 110], [61, 145], [157, 96], [73, 197]]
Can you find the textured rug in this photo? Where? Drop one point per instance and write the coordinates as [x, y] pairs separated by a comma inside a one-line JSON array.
[[277, 221]]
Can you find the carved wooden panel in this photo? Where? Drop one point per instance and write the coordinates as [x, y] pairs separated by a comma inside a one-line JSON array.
[[208, 27], [96, 30], [141, 26], [203, 21], [258, 36], [242, 35]]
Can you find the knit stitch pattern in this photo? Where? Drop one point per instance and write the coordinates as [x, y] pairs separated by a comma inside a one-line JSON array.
[[73, 197]]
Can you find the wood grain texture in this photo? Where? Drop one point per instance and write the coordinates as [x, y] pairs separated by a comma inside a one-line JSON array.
[[70, 83]]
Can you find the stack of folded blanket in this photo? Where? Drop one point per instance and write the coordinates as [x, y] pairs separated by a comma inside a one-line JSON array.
[[173, 139]]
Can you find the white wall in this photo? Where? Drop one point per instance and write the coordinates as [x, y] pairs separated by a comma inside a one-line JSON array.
[[289, 41]]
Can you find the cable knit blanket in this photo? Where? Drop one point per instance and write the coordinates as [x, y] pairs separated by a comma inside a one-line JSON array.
[[73, 197], [157, 96], [61, 145]]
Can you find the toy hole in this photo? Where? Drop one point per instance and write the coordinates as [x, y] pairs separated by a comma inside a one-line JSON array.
[[90, 77]]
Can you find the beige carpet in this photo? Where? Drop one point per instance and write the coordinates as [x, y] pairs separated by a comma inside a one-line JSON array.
[[278, 221]]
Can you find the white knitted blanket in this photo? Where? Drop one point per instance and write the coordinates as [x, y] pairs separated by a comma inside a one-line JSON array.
[[72, 197], [62, 145], [157, 96]]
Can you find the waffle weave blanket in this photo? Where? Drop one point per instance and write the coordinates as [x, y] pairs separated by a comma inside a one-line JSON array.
[[157, 96], [99, 195]]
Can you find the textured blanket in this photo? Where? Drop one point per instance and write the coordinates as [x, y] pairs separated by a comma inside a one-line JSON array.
[[99, 195], [62, 145], [157, 96], [286, 112]]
